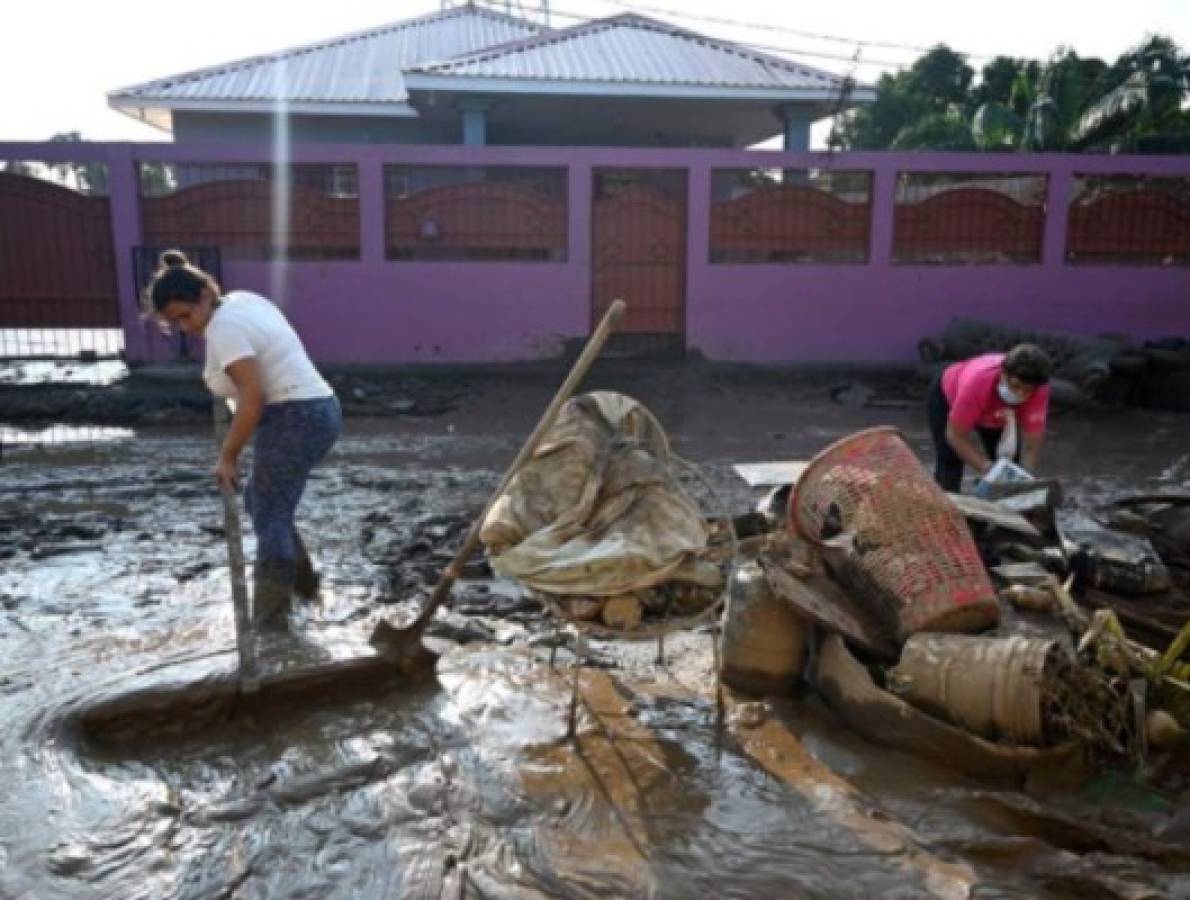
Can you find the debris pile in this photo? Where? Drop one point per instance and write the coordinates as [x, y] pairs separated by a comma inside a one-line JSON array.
[[947, 625], [600, 528], [1113, 369]]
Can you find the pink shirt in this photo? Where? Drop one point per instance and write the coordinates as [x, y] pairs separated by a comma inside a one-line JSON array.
[[970, 388]]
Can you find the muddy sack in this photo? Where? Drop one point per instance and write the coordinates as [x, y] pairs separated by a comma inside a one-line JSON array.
[[597, 511]]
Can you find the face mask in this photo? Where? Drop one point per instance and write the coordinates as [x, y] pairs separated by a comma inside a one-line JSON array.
[[1008, 395]]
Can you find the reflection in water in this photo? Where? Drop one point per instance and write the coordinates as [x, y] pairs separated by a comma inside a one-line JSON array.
[[63, 434]]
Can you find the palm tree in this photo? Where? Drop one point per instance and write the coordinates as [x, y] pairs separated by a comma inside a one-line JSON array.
[[1081, 104]]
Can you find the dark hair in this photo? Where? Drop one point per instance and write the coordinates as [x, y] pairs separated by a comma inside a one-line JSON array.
[[1029, 363], [176, 279]]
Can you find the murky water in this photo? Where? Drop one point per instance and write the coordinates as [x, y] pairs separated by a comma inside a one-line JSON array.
[[464, 784], [54, 435]]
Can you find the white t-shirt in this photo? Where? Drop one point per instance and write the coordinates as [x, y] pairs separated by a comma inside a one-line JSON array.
[[246, 324]]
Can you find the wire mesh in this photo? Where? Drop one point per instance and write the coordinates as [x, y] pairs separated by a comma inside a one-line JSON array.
[[58, 296], [790, 216], [1133, 219], [966, 218], [232, 206], [476, 213]]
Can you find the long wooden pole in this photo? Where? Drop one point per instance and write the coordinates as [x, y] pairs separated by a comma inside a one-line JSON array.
[[245, 634]]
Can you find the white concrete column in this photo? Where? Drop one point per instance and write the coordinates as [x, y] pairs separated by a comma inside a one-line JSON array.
[[796, 119], [475, 121]]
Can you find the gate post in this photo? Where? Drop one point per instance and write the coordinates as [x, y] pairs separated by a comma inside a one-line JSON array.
[[1057, 217], [579, 188], [884, 209], [124, 195]]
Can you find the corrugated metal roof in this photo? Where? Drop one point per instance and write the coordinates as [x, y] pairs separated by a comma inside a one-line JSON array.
[[362, 67], [632, 48]]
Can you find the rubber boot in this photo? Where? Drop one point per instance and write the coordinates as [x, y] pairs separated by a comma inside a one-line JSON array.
[[272, 593], [306, 581]]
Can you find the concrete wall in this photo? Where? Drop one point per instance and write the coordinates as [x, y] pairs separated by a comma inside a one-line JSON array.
[[376, 311]]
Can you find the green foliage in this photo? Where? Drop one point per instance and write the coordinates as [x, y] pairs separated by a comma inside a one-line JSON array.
[[930, 87], [16, 167], [88, 177], [996, 127], [1141, 102], [996, 81], [938, 131], [941, 79], [156, 179]]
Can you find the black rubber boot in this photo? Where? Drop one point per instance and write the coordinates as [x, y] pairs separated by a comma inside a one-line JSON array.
[[306, 581], [272, 593]]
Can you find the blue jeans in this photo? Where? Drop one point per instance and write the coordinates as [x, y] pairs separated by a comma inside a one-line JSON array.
[[291, 438]]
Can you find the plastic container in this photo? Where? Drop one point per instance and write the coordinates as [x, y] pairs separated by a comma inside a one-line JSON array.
[[990, 686], [915, 560], [1003, 471], [763, 645], [1128, 578]]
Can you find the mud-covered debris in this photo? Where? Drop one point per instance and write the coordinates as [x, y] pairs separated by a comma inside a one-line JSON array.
[[750, 715], [852, 394]]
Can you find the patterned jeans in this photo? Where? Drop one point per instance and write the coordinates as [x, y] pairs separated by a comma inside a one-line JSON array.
[[290, 439]]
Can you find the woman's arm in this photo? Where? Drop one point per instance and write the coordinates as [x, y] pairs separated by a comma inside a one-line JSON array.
[[245, 375], [967, 448], [1031, 449]]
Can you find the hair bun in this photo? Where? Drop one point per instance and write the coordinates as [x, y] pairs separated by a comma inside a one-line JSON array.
[[172, 258]]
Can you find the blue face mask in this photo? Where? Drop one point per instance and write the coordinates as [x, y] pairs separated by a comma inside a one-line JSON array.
[[1008, 395]]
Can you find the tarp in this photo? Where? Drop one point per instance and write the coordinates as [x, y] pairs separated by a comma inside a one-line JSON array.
[[597, 511]]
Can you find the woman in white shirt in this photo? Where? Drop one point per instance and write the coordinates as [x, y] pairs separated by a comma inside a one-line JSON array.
[[282, 404]]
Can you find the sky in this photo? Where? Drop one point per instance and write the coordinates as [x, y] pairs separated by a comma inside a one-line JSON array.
[[57, 66]]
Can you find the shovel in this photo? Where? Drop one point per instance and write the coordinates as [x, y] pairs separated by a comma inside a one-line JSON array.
[[403, 645], [182, 710]]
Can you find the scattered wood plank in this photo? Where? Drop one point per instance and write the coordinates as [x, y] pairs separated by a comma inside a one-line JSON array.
[[771, 474], [991, 513]]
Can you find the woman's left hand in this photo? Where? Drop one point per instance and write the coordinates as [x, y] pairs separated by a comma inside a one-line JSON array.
[[226, 475]]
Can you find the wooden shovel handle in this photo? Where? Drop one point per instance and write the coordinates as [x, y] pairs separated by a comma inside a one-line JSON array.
[[233, 534]]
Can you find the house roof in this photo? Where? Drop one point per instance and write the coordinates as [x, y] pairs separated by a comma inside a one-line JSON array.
[[359, 69], [628, 50], [478, 50]]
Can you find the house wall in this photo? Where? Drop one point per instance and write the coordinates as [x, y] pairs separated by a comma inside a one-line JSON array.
[[524, 120], [376, 310], [248, 127]]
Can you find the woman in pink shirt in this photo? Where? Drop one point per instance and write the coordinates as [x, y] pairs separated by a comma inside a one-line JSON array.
[[976, 401]]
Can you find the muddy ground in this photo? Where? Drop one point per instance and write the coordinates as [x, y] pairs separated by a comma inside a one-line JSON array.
[[462, 785]]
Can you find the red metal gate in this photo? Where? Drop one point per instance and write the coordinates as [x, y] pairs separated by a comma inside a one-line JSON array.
[[639, 254], [58, 260]]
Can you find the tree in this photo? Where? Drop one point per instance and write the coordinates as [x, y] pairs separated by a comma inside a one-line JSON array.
[[930, 87], [156, 179], [939, 131], [996, 81], [16, 167], [88, 177], [1069, 103]]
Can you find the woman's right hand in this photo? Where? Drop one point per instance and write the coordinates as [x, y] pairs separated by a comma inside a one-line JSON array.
[[226, 474]]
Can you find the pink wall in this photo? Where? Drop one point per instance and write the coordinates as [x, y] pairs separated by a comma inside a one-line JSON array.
[[375, 310]]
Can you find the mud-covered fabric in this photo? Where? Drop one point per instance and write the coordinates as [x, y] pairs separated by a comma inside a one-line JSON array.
[[290, 440], [596, 511]]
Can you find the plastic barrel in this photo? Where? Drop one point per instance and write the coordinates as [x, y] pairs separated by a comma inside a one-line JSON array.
[[990, 686], [763, 644]]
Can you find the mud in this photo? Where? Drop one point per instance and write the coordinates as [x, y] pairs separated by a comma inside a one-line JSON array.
[[463, 784]]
